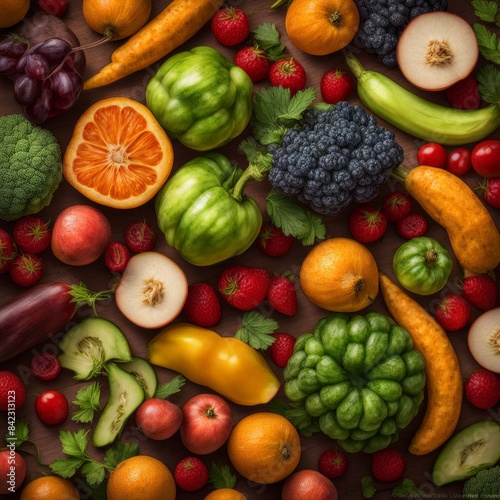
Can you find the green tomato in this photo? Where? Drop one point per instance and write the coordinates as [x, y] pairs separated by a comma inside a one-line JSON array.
[[422, 265]]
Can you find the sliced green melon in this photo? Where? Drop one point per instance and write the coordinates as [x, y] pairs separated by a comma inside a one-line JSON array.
[[472, 449], [144, 372], [125, 396], [89, 345]]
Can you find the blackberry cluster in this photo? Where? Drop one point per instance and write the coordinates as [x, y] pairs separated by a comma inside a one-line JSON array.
[[337, 157], [383, 21]]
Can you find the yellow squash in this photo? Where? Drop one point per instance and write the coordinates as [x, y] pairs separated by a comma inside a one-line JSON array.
[[442, 369], [227, 365]]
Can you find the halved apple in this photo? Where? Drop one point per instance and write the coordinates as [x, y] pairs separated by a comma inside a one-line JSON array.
[[152, 290], [436, 50], [484, 340]]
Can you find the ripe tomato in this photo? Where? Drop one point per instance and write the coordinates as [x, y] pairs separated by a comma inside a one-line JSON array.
[[51, 407], [459, 161], [486, 158], [432, 154]]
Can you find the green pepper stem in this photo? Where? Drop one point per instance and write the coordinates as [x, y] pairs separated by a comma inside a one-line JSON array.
[[400, 172], [254, 171]]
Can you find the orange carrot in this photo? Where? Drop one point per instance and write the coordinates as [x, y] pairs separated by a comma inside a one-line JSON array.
[[176, 24], [444, 378]]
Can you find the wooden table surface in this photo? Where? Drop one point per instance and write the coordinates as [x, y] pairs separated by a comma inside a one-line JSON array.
[[97, 277]]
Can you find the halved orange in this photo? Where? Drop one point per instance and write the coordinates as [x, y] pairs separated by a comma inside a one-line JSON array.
[[119, 155]]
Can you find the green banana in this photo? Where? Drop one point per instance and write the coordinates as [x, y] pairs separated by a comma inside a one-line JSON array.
[[418, 117]]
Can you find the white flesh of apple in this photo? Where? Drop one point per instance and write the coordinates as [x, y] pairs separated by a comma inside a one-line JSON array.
[[152, 290], [436, 50], [484, 339]]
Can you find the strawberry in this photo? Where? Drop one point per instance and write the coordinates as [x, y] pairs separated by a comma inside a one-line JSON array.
[[45, 366], [387, 465], [481, 291], [32, 234], [282, 295], [191, 473], [230, 26], [396, 205], [202, 306], [244, 287], [254, 62], [336, 85], [482, 389], [412, 226], [12, 391], [367, 224], [8, 250], [272, 241], [139, 237], [453, 312], [289, 74], [281, 349], [332, 463], [116, 256], [464, 94], [489, 189], [26, 269]]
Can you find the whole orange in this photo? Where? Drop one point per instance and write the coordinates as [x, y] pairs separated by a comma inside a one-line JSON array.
[[141, 477], [225, 494], [340, 274], [264, 447], [12, 11], [49, 488]]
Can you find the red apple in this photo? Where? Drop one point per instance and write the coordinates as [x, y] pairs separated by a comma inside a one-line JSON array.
[[158, 418], [207, 423], [12, 471], [80, 235], [308, 484]]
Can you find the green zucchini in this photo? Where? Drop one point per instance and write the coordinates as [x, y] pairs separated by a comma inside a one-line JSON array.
[[419, 117]]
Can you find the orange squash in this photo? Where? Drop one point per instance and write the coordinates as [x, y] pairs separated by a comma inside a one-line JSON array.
[[340, 274], [321, 27]]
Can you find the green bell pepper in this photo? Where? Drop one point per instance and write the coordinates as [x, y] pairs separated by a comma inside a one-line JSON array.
[[201, 98], [422, 265], [204, 213]]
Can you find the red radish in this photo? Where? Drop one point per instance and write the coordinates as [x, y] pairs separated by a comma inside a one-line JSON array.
[[34, 315]]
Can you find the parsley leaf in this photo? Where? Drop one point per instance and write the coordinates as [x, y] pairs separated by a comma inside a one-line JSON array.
[[367, 487], [88, 402], [74, 444], [267, 37], [297, 414], [167, 389], [256, 330], [488, 78], [93, 472], [66, 467], [486, 10], [405, 489], [221, 477], [489, 43], [20, 433]]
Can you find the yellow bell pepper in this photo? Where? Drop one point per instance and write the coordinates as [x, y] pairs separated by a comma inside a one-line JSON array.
[[226, 365]]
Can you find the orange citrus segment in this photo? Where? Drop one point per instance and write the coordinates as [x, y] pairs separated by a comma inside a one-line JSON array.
[[119, 155]]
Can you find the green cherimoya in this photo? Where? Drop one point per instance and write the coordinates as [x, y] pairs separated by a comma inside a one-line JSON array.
[[30, 167], [359, 377]]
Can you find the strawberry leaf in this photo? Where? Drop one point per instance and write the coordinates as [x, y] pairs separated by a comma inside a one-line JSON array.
[[488, 78], [256, 330], [267, 37]]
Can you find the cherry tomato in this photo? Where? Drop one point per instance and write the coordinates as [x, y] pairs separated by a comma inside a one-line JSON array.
[[53, 7], [459, 161], [52, 407], [486, 158], [432, 154]]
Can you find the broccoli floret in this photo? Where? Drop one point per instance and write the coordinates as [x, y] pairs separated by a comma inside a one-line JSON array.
[[30, 167], [338, 156], [485, 484]]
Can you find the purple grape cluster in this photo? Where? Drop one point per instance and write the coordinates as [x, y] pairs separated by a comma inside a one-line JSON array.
[[46, 82]]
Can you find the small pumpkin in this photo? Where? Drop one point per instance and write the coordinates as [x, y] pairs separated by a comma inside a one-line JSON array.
[[116, 19], [340, 274], [321, 27]]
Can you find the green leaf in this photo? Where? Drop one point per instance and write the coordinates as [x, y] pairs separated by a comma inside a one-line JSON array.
[[120, 452], [489, 44], [488, 78], [168, 388], [66, 467], [486, 10], [406, 489], [268, 39], [256, 330], [74, 444], [19, 434], [221, 477], [367, 487], [294, 219], [96, 491], [88, 402], [93, 472], [297, 414]]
